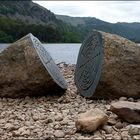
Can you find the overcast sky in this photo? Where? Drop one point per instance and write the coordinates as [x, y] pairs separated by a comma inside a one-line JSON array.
[[111, 11]]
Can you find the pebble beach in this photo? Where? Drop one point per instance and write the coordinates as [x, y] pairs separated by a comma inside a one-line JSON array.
[[53, 116]]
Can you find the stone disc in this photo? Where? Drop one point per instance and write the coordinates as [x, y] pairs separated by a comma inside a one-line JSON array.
[[89, 64], [49, 63]]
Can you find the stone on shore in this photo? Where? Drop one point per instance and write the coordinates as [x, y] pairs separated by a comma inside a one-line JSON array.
[[121, 68], [129, 111], [27, 69], [91, 120], [134, 130], [59, 134], [108, 66]]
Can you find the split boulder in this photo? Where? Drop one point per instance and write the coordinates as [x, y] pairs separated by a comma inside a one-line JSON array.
[[108, 66], [27, 69]]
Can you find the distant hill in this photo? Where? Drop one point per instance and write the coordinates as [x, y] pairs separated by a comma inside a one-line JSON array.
[[25, 11], [85, 24], [18, 18]]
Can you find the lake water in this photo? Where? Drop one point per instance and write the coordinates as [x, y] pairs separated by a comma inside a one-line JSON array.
[[60, 52]]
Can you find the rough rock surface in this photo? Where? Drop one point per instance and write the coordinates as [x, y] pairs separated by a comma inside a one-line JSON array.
[[37, 117], [22, 72], [91, 120], [129, 111], [121, 69]]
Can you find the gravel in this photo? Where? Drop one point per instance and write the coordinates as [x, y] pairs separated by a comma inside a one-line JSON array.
[[52, 116]]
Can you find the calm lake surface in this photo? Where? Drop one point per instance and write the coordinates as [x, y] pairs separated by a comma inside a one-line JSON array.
[[59, 52]]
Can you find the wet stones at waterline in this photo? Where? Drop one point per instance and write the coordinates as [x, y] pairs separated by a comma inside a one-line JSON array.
[[108, 66], [27, 69]]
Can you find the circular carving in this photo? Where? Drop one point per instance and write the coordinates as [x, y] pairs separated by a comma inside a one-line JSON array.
[[49, 64], [89, 63]]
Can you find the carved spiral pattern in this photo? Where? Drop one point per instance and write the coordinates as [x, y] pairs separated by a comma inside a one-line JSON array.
[[49, 63], [89, 61]]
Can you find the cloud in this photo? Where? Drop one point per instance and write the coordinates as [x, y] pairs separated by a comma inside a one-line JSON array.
[[111, 11]]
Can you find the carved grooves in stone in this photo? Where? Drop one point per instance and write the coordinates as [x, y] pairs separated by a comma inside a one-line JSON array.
[[49, 63], [89, 63]]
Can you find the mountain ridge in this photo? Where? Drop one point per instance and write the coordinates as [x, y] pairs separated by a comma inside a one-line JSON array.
[[21, 17], [128, 30]]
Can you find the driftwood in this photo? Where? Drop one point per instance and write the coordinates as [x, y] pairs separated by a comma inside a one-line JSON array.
[[27, 69], [112, 61]]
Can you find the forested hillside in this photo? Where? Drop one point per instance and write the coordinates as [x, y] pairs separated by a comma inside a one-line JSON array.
[[18, 18], [85, 24]]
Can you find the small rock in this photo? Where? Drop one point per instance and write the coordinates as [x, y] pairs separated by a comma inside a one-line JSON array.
[[124, 134], [91, 120], [123, 99], [108, 137], [57, 127], [67, 136], [102, 132], [108, 129], [131, 99], [119, 125], [133, 126], [107, 107], [136, 137], [134, 131], [1, 105], [59, 134], [58, 118], [61, 65], [50, 120], [64, 122], [35, 118], [36, 130], [45, 121], [21, 130], [70, 131], [60, 99], [31, 127], [27, 123], [27, 132], [116, 137], [27, 98], [43, 117], [112, 121], [2, 121], [9, 126], [66, 111], [129, 111], [89, 101], [103, 102]]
